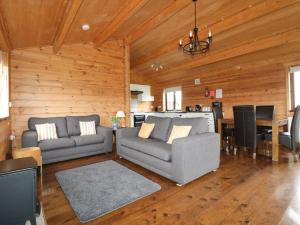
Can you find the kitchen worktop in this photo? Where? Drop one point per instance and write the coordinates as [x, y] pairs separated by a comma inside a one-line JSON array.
[[184, 112], [208, 115], [174, 112]]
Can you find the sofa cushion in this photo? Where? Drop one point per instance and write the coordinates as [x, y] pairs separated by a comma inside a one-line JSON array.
[[161, 128], [87, 128], [60, 123], [158, 149], [199, 124], [88, 139], [179, 132], [46, 131], [146, 130], [73, 123], [56, 144]]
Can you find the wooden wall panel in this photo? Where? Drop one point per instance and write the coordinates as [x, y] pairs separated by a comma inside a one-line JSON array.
[[79, 80], [257, 86]]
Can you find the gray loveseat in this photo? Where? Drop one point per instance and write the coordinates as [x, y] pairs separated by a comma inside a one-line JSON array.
[[69, 144], [184, 160]]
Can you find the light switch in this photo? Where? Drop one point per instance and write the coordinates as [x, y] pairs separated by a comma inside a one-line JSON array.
[[197, 81]]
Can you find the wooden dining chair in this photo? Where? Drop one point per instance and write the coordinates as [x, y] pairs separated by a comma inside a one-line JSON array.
[[245, 131]]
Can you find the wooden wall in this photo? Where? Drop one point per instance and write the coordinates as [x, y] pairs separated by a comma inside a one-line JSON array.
[[79, 80], [257, 86]]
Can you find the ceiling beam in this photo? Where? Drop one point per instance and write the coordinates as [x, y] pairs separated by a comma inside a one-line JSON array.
[[172, 9], [5, 44], [124, 13], [278, 39], [252, 12], [64, 29]]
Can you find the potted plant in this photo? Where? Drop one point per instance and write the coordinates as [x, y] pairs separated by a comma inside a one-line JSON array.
[[115, 121]]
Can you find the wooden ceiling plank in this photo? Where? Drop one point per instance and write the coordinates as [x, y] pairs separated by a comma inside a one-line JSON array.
[[68, 20], [172, 9], [274, 40], [5, 44], [258, 59], [246, 15], [126, 12]]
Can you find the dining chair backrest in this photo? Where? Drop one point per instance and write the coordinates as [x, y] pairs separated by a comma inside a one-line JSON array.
[[245, 126], [265, 112], [218, 114], [295, 128]]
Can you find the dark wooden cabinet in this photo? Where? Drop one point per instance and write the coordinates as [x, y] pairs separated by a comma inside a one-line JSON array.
[[18, 191]]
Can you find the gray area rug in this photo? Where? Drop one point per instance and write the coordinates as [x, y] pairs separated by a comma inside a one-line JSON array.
[[100, 188]]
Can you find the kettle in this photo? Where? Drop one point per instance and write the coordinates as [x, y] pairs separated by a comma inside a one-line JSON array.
[[198, 108]]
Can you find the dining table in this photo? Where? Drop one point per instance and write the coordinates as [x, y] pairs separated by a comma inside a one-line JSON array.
[[275, 124]]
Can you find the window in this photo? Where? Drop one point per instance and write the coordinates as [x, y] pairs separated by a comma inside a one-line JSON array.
[[4, 84], [173, 99], [294, 87]]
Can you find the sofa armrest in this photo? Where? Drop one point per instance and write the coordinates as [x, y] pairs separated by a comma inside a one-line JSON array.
[[195, 156], [125, 133], [107, 133], [29, 139]]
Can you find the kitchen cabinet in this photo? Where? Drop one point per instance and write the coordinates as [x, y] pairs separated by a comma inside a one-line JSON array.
[[146, 89]]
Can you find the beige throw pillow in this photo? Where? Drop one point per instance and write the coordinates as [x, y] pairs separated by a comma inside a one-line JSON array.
[[46, 131], [87, 128], [179, 132], [146, 130]]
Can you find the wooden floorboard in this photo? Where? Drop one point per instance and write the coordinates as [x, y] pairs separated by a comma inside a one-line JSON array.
[[242, 192]]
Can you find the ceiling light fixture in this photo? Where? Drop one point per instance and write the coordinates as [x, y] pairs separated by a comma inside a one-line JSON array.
[[196, 46], [85, 27], [157, 66]]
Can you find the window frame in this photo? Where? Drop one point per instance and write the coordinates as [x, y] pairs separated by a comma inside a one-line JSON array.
[[174, 90], [4, 71], [291, 85]]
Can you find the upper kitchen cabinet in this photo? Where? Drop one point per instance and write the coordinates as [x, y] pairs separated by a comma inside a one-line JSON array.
[[142, 91]]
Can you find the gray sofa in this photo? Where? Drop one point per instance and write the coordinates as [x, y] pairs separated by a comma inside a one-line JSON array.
[[184, 160], [69, 144]]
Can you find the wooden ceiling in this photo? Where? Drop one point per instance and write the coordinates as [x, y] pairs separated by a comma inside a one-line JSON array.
[[153, 27], [26, 23]]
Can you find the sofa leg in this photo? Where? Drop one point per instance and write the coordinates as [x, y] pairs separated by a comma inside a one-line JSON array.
[[179, 185]]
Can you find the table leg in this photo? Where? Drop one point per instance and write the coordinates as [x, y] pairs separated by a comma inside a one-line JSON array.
[[275, 142], [41, 174], [220, 132]]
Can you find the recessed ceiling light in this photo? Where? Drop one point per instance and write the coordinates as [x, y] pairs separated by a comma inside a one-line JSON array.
[[85, 27]]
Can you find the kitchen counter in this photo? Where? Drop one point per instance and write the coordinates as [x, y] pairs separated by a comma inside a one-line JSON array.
[[207, 115], [184, 112]]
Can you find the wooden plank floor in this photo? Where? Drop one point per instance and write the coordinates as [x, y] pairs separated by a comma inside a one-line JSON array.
[[242, 192]]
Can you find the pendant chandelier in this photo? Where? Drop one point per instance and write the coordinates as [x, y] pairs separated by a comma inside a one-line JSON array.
[[196, 46]]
